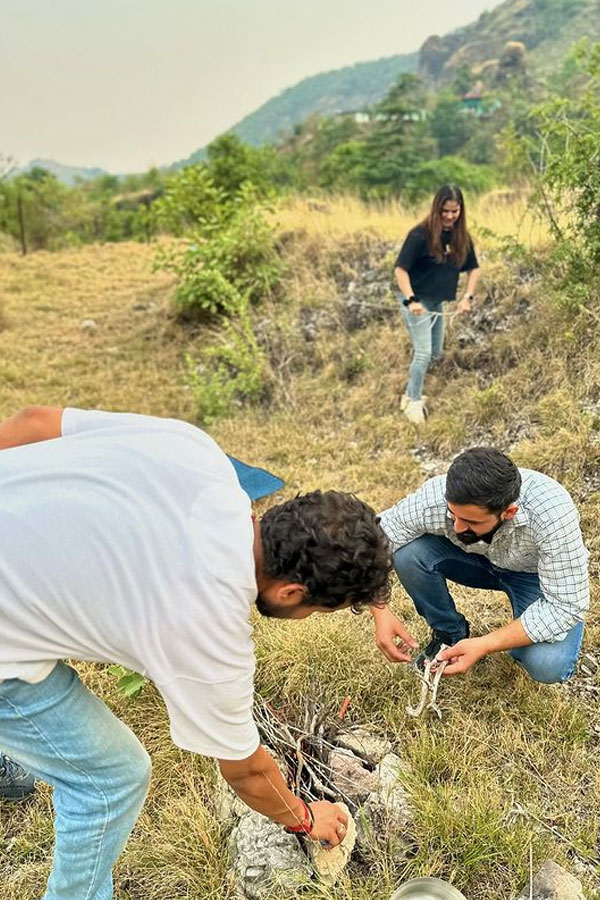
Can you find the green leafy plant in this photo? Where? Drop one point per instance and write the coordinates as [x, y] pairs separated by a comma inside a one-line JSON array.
[[231, 372], [130, 683]]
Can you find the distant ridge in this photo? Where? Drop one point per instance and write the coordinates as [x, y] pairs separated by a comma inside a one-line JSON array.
[[67, 174]]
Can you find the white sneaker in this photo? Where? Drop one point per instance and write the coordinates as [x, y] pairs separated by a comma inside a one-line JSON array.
[[415, 412], [405, 400]]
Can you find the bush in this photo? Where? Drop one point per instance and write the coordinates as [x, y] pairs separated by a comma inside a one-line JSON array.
[[231, 372], [237, 260]]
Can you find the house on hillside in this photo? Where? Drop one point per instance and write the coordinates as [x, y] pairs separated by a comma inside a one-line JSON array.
[[475, 102]]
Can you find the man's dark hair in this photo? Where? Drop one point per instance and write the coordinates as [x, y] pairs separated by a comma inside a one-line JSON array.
[[483, 477], [330, 542]]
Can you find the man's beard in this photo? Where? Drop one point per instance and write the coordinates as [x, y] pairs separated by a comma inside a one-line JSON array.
[[470, 537]]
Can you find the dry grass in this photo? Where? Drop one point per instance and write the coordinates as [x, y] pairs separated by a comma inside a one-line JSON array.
[[503, 737]]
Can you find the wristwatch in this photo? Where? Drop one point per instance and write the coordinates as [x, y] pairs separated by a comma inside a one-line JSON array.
[[408, 300]]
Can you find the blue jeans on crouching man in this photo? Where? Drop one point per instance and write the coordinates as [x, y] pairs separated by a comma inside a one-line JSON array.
[[423, 566], [100, 772], [426, 334]]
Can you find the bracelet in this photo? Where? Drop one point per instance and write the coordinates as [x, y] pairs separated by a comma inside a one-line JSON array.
[[408, 300], [306, 825], [468, 297]]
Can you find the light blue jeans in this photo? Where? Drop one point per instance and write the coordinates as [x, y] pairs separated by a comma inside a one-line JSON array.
[[426, 333], [423, 566], [100, 772]]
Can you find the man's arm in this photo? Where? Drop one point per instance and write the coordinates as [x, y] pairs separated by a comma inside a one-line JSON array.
[[259, 783], [32, 424]]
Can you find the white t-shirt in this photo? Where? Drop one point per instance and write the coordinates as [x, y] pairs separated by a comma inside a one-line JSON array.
[[129, 540]]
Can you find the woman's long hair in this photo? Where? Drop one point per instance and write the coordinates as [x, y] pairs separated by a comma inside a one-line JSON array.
[[461, 241]]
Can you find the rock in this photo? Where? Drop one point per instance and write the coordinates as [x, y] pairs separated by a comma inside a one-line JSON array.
[[329, 864], [267, 862], [361, 742], [350, 777], [88, 325], [228, 806], [387, 814], [552, 882], [588, 665]]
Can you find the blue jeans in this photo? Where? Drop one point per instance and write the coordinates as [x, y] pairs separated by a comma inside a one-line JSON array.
[[426, 333], [99, 771], [423, 567]]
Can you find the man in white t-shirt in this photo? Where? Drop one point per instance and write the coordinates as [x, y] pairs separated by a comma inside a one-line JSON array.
[[128, 539]]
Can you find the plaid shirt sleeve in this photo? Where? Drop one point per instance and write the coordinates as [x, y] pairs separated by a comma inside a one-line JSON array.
[[563, 575], [423, 512]]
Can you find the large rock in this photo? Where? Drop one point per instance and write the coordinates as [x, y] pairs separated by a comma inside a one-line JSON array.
[[267, 862], [370, 747], [552, 882], [386, 816], [350, 777]]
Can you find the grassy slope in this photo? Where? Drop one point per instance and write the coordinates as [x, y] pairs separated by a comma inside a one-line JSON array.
[[334, 423]]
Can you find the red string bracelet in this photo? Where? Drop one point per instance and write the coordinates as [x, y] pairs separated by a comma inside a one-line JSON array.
[[306, 825]]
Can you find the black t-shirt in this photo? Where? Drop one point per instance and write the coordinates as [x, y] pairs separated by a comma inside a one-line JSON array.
[[431, 280]]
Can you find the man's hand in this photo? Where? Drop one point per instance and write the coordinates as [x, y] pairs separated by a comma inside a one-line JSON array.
[[392, 638], [463, 306], [330, 823], [463, 655], [416, 308]]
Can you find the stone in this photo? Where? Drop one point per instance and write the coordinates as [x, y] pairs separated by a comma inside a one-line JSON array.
[[552, 882], [88, 325], [387, 814], [266, 861], [361, 742], [350, 777], [228, 806], [329, 864]]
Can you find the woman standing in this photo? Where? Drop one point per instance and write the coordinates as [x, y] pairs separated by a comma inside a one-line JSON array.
[[432, 257]]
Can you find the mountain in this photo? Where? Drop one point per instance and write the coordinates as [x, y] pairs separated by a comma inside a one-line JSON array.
[[545, 29], [67, 174], [340, 90]]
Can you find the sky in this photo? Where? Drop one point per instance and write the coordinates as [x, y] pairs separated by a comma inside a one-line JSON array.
[[128, 84]]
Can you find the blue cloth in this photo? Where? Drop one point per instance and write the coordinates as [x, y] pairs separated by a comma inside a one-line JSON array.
[[256, 482], [100, 772], [423, 565]]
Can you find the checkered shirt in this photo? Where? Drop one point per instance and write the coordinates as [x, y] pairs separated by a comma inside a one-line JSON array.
[[543, 537]]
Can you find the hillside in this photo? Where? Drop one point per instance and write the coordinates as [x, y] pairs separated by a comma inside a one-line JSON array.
[[67, 174], [513, 767], [546, 28], [341, 90]]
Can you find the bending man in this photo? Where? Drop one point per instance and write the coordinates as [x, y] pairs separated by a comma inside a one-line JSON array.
[[128, 539], [487, 524]]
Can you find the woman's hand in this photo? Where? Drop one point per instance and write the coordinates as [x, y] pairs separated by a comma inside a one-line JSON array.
[[463, 306], [416, 308]]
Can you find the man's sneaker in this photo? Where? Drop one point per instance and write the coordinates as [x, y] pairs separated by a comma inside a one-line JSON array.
[[438, 641], [15, 782]]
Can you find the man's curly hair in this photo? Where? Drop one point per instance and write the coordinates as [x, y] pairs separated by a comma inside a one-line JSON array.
[[330, 542]]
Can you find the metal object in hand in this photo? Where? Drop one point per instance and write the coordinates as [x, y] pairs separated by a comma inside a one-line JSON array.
[[427, 889]]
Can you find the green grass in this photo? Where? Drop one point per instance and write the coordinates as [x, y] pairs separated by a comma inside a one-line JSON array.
[[333, 421]]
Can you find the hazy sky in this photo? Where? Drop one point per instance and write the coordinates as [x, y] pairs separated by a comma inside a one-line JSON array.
[[126, 84]]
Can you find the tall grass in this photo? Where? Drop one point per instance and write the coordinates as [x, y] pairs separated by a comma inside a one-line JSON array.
[[504, 740]]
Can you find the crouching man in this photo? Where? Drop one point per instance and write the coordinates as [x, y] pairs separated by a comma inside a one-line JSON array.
[[128, 539], [489, 525]]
